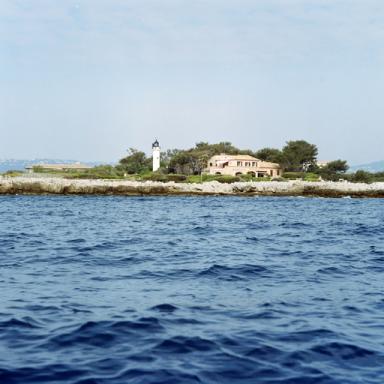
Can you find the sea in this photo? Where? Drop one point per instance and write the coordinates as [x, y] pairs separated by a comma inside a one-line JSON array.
[[106, 289]]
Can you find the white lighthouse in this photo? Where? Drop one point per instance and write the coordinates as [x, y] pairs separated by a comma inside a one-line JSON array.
[[155, 156]]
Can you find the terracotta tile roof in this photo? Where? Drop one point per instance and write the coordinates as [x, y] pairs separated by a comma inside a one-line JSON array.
[[236, 157]]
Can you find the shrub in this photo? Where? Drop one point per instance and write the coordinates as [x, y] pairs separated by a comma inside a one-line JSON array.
[[246, 177], [210, 177], [38, 169], [13, 173], [311, 177], [176, 178], [201, 178], [293, 175], [98, 172], [227, 179], [158, 176], [155, 177], [195, 178], [91, 175], [135, 162], [362, 177]]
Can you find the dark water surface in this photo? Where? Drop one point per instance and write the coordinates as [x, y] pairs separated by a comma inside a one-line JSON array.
[[191, 290]]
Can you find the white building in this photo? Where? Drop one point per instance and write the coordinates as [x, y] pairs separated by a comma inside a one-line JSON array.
[[155, 156]]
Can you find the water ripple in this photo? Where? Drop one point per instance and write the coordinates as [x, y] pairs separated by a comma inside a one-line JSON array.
[[224, 290]]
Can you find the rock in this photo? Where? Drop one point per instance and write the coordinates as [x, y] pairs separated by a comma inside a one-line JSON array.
[[24, 185]]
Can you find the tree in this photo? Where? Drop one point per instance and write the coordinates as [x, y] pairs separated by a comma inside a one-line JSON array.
[[202, 162], [166, 157], [272, 155], [222, 147], [334, 170], [195, 160], [184, 162], [361, 176], [336, 166], [299, 156], [135, 162], [188, 162]]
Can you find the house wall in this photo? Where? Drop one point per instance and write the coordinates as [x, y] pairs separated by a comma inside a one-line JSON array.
[[243, 166], [232, 171]]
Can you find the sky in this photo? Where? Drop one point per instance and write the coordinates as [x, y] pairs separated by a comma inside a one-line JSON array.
[[88, 79]]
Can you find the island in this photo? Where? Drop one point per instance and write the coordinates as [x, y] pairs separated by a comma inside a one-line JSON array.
[[206, 169]]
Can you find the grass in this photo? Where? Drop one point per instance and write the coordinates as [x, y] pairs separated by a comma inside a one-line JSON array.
[[306, 176], [311, 177], [223, 178], [13, 173]]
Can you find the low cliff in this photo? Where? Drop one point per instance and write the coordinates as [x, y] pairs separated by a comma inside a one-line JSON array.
[[21, 185]]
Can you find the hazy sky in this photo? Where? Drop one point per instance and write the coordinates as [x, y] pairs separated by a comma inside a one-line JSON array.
[[88, 79]]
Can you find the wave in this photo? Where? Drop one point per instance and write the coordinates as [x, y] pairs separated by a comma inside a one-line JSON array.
[[239, 272], [17, 324], [104, 333], [167, 308]]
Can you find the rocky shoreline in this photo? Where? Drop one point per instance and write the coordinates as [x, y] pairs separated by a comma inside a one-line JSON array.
[[54, 186]]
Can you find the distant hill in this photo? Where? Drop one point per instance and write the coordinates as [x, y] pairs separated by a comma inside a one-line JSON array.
[[377, 166], [15, 164]]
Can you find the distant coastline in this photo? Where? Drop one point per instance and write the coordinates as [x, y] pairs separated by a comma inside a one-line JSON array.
[[55, 186]]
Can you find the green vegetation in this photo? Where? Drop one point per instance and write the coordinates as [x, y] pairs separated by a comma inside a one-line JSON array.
[[311, 176], [299, 156], [200, 178], [324, 174], [135, 163], [99, 172], [333, 171], [194, 160], [38, 169], [154, 177], [272, 155], [366, 177], [296, 156], [163, 177], [227, 179], [13, 173], [294, 175], [307, 176]]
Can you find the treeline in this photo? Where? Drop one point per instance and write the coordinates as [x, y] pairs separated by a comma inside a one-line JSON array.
[[298, 158], [295, 156]]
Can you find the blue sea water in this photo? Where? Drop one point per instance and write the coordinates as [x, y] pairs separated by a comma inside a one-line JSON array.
[[191, 290]]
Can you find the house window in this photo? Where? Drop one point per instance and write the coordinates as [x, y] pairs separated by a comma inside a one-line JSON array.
[[278, 172], [239, 164], [210, 164], [247, 163], [253, 163]]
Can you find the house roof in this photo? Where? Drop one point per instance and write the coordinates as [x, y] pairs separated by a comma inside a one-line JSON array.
[[267, 164], [236, 157], [260, 163]]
